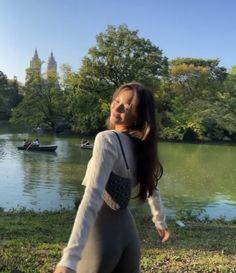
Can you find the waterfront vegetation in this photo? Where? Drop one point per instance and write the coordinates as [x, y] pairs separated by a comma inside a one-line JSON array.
[[32, 242], [196, 98]]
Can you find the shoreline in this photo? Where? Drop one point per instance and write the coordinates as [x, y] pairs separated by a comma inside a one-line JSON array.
[[70, 132]]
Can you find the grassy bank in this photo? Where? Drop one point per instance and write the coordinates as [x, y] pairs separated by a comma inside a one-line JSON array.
[[32, 242]]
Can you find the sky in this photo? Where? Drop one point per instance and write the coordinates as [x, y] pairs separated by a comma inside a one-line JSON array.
[[180, 28]]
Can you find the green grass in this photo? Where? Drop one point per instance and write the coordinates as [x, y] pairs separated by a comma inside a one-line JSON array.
[[32, 243]]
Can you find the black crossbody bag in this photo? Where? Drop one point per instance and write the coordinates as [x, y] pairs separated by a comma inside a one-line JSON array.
[[118, 189]]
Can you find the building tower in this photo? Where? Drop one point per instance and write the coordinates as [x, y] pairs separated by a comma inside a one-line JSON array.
[[52, 65], [36, 63]]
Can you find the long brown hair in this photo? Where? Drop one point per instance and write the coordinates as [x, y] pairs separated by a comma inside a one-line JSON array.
[[144, 133]]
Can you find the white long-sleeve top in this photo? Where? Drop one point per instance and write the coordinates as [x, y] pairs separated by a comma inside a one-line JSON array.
[[107, 156]]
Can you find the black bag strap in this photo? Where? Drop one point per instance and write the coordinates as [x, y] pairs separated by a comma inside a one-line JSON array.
[[122, 150]]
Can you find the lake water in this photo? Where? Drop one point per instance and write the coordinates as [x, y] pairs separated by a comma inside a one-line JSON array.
[[196, 176]]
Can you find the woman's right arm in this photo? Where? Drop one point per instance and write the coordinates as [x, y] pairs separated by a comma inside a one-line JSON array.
[[97, 174]]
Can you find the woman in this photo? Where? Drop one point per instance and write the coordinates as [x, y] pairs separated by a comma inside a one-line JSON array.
[[104, 237]]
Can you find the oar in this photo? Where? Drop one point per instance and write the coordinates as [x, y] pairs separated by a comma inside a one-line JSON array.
[[29, 146]]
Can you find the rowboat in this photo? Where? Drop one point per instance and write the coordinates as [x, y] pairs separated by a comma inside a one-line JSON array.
[[86, 146], [47, 148]]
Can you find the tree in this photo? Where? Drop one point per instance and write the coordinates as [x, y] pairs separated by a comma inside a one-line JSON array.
[[9, 95], [192, 75], [43, 103], [190, 96], [69, 78], [87, 111], [232, 71], [121, 56]]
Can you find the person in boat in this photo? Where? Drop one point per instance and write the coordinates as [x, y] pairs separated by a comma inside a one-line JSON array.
[[26, 143], [85, 142], [35, 142], [124, 158]]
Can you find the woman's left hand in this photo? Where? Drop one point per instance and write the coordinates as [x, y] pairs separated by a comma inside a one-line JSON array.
[[164, 234]]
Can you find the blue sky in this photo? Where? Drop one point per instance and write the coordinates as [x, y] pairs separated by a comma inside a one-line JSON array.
[[180, 28]]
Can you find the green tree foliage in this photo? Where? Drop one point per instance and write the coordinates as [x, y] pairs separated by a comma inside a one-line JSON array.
[[85, 110], [226, 102], [194, 75], [121, 56], [88, 112], [69, 78], [43, 103], [232, 71], [191, 99], [9, 95], [195, 98]]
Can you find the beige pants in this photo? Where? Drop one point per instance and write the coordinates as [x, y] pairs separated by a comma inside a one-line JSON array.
[[113, 244]]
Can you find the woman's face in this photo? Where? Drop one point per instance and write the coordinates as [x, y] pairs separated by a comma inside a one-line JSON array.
[[124, 109]]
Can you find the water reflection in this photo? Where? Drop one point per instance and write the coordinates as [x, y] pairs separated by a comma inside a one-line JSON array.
[[200, 176], [195, 177], [53, 179]]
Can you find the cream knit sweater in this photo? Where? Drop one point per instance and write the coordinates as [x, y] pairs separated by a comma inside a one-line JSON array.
[[106, 157]]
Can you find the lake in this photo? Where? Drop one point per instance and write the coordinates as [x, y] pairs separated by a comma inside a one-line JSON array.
[[196, 176]]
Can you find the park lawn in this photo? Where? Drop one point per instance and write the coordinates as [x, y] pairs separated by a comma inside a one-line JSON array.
[[32, 242]]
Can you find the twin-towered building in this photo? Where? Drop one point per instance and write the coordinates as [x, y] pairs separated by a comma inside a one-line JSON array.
[[36, 64]]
